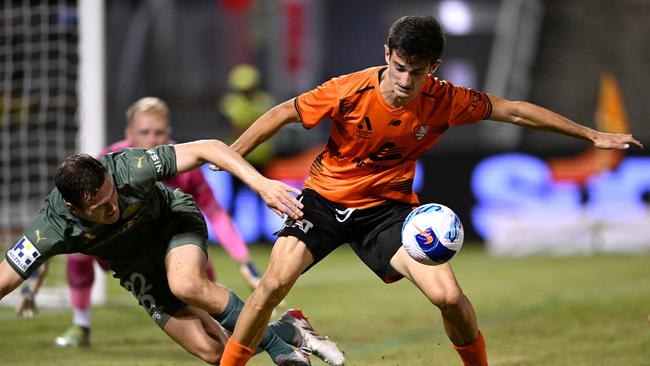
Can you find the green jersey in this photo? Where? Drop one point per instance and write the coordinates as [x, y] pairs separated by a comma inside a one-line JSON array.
[[145, 209]]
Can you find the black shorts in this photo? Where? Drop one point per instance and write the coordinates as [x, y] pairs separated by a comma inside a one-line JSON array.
[[375, 233]]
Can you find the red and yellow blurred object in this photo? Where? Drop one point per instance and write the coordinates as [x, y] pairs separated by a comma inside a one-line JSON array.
[[610, 117]]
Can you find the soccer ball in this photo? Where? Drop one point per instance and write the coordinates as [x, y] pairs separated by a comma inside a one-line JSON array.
[[432, 234]]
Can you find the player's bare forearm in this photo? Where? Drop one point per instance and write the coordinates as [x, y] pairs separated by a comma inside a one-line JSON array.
[[9, 279], [191, 155], [265, 127], [531, 115]]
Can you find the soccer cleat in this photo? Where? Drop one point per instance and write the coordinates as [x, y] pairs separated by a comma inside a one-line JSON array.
[[295, 358], [310, 341], [74, 336]]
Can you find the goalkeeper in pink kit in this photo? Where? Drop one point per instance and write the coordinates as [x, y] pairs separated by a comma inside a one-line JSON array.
[[148, 126]]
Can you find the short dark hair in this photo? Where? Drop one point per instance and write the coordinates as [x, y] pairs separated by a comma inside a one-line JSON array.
[[416, 38], [79, 177]]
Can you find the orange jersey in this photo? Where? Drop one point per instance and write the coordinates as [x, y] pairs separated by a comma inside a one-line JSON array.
[[372, 149]]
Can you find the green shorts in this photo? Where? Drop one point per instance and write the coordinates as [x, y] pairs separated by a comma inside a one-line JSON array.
[[145, 275]]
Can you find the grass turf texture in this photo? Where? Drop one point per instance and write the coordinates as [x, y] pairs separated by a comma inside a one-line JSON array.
[[533, 311]]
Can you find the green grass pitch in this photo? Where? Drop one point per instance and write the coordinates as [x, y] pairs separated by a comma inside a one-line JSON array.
[[586, 310]]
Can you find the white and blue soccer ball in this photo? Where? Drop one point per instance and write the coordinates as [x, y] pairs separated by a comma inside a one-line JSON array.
[[432, 234]]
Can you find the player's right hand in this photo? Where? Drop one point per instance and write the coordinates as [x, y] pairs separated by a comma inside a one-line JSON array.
[[620, 141], [277, 196]]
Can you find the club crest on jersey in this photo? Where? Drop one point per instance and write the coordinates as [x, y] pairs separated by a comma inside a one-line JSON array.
[[23, 254], [131, 209], [421, 131]]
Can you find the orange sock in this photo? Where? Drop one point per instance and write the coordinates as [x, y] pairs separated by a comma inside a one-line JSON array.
[[235, 354], [473, 354]]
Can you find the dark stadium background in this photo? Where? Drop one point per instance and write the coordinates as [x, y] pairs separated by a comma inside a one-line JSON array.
[[182, 51]]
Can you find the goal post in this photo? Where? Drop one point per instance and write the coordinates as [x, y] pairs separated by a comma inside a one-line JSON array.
[[52, 104], [92, 100]]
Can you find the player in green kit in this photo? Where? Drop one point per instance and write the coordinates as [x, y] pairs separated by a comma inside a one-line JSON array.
[[155, 241]]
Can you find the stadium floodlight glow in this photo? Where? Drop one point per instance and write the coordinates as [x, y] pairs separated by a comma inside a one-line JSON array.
[[460, 71], [456, 17]]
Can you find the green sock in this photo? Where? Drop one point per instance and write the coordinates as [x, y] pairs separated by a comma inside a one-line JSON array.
[[270, 342], [285, 331]]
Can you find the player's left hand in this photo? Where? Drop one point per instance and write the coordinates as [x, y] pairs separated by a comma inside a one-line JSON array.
[[277, 196], [27, 307], [620, 141]]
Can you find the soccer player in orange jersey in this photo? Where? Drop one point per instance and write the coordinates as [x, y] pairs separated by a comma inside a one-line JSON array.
[[359, 189]]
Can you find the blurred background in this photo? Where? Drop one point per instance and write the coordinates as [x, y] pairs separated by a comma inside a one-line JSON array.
[[70, 69]]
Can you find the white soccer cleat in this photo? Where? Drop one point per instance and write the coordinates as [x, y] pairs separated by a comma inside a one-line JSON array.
[[310, 341], [295, 358], [74, 336]]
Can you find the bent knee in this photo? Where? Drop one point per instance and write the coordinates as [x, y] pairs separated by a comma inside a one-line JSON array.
[[186, 290], [449, 297]]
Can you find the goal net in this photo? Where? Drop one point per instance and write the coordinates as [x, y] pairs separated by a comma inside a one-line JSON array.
[[42, 79], [38, 104]]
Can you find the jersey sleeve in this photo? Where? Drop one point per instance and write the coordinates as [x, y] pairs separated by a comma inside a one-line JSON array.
[[468, 106], [41, 240], [318, 104], [141, 168]]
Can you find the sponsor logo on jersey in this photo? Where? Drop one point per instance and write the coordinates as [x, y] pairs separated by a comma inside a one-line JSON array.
[[388, 151], [376, 159], [38, 236], [364, 129], [155, 159], [421, 131], [369, 164], [23, 254], [138, 163]]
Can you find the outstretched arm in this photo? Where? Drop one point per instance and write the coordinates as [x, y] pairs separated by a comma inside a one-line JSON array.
[[265, 127], [192, 155], [531, 115], [9, 279]]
